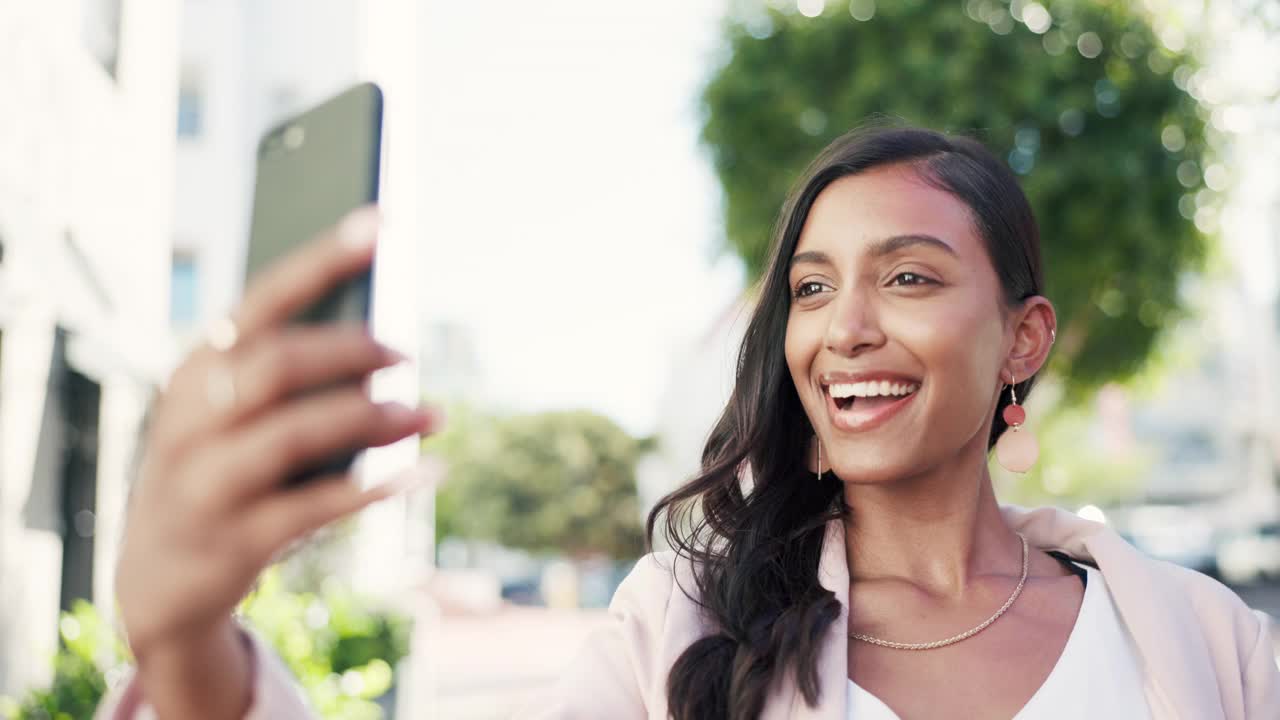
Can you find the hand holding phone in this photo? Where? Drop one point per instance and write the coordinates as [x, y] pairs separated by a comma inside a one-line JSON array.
[[209, 511], [311, 171], [212, 504]]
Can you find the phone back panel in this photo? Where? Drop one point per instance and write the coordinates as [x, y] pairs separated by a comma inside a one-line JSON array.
[[312, 170]]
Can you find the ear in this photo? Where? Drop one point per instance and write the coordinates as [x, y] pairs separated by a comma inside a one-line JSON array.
[[1034, 327]]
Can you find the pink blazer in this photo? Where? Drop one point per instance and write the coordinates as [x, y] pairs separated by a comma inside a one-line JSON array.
[[1205, 654]]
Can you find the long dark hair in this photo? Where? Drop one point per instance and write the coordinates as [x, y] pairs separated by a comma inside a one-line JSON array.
[[753, 520]]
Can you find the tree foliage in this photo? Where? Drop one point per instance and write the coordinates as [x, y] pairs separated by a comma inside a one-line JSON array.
[[1090, 112], [555, 481]]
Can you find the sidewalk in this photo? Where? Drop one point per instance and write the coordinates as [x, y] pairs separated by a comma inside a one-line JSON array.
[[489, 665]]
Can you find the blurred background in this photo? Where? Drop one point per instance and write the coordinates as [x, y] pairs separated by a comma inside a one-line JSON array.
[[579, 196]]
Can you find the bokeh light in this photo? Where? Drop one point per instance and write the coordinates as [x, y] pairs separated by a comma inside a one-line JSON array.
[[811, 8], [862, 10], [1037, 18], [1173, 139], [1071, 121], [1089, 44], [1092, 512]]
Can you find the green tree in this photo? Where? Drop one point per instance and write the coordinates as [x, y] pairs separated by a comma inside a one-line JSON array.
[[1079, 96], [554, 481]]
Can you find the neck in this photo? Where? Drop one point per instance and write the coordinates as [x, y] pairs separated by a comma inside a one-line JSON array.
[[938, 531]]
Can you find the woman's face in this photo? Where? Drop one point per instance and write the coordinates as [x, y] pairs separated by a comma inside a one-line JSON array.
[[894, 300]]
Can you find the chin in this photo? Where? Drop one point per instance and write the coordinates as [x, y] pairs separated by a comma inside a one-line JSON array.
[[871, 468]]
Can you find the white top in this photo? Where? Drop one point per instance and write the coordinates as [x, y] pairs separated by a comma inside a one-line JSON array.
[[1098, 676]]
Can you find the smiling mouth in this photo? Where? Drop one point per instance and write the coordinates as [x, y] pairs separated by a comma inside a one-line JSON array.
[[883, 392], [864, 405]]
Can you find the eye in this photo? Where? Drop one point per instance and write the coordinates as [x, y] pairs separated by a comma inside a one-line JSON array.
[[803, 289], [911, 278]]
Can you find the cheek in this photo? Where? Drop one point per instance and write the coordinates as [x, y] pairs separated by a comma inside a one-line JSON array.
[[952, 337], [959, 345], [803, 340]]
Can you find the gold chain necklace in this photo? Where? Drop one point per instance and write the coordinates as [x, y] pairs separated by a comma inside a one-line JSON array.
[[955, 638]]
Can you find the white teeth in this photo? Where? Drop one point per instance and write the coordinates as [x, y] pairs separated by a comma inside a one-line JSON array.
[[871, 388]]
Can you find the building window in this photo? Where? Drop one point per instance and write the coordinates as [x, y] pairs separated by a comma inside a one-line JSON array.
[[81, 408], [190, 106], [184, 287], [100, 32]]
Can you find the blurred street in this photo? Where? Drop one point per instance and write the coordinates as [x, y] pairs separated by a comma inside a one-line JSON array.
[[491, 665], [1262, 596]]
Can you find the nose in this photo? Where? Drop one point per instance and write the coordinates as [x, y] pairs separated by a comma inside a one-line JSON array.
[[854, 326]]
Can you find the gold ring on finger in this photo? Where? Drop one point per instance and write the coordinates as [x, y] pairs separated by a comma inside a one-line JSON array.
[[222, 334]]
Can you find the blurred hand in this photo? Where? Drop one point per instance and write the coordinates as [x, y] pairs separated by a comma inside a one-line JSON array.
[[210, 509]]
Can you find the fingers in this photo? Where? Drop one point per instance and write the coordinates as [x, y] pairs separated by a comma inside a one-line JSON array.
[[259, 454], [211, 384], [291, 284], [286, 516], [264, 371], [187, 405], [301, 357]]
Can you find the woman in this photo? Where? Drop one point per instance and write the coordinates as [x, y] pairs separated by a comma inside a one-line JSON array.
[[841, 554]]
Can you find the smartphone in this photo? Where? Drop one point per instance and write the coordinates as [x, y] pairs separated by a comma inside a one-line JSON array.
[[311, 171]]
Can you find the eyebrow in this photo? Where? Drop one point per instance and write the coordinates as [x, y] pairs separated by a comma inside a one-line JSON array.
[[877, 249]]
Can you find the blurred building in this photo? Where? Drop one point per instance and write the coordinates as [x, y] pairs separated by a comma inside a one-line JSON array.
[[449, 370], [696, 393], [85, 218]]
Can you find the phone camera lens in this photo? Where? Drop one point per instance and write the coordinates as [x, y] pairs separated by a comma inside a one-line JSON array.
[[294, 136]]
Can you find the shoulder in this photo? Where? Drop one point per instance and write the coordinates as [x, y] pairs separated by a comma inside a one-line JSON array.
[[657, 604], [1220, 610], [659, 583], [1202, 589], [1190, 626], [621, 670], [1234, 633], [1138, 580]]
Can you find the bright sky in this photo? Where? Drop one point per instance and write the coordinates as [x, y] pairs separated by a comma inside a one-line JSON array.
[[572, 216]]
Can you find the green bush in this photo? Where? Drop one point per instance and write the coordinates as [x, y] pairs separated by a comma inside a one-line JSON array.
[[341, 652], [89, 649]]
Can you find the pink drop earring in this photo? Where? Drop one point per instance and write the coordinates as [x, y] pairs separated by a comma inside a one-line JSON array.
[[1017, 449]]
